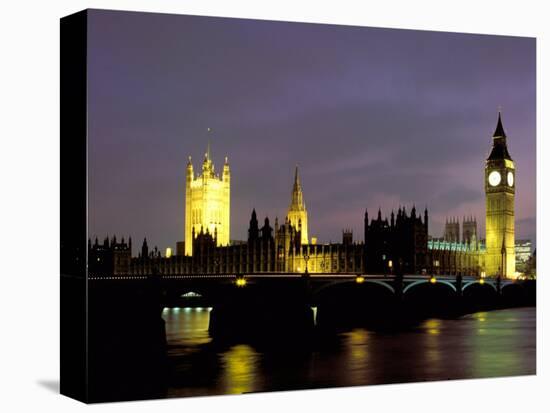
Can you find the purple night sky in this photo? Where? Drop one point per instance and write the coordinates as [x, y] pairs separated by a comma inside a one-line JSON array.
[[373, 117]]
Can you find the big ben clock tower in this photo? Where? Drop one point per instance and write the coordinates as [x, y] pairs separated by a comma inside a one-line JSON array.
[[500, 182]]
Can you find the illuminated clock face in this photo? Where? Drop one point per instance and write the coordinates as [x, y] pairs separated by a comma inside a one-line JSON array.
[[510, 178], [494, 178]]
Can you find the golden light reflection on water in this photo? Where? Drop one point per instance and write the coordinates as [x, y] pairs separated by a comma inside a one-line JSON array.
[[358, 340], [357, 343], [480, 316], [432, 326], [240, 365], [432, 353]]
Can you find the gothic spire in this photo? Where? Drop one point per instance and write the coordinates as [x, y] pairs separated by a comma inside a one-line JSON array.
[[296, 179], [297, 203], [499, 131]]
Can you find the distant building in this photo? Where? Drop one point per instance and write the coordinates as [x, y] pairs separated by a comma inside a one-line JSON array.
[[453, 258], [110, 257], [469, 230], [347, 237], [180, 248], [452, 230], [523, 253]]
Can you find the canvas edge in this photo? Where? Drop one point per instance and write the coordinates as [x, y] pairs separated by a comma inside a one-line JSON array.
[[73, 206]]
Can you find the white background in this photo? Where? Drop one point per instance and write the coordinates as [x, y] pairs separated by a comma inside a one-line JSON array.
[[29, 204]]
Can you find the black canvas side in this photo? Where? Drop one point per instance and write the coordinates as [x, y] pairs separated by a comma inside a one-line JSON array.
[[73, 231]]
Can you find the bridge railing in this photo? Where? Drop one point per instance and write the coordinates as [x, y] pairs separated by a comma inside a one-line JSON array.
[[350, 275]]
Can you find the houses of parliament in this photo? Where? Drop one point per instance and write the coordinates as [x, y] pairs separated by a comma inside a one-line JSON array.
[[398, 242]]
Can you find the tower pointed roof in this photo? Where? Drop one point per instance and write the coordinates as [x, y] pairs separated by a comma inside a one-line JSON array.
[[499, 131], [296, 179], [297, 202], [500, 149]]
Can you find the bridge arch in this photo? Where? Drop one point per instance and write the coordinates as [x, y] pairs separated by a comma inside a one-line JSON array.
[[473, 283], [511, 284], [319, 291], [427, 281], [480, 294], [347, 303], [425, 298], [513, 293]]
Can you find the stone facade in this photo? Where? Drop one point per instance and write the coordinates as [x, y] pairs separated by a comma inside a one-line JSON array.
[[207, 202]]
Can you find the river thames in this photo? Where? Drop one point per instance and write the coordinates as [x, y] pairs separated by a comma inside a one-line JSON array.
[[485, 344]]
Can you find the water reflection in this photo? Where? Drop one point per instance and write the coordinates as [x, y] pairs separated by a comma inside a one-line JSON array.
[[500, 344], [432, 353], [488, 344], [240, 369], [187, 326], [432, 326], [357, 345]]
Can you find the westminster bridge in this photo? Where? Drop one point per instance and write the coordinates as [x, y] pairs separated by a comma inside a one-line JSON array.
[[318, 299]]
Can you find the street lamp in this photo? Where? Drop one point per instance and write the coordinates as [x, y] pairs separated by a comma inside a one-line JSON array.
[[241, 282], [390, 266], [306, 259]]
